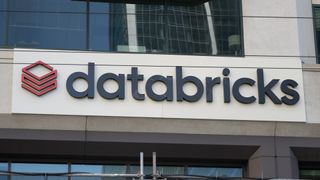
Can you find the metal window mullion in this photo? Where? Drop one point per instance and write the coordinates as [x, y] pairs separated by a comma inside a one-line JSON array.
[[69, 170], [87, 24], [9, 169], [166, 27], [185, 169]]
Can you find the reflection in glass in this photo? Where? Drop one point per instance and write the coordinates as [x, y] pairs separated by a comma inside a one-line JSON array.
[[46, 30], [310, 174], [38, 168], [101, 169], [215, 172], [210, 27], [162, 170], [99, 32], [3, 5], [33, 168], [54, 6], [3, 167], [38, 24], [3, 21]]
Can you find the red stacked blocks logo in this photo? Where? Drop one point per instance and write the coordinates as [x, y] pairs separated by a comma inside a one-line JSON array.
[[39, 85]]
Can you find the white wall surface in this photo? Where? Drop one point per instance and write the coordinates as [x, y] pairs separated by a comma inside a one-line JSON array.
[[59, 102], [279, 28]]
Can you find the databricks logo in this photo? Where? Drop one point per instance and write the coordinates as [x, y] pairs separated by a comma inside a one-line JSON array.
[[39, 85]]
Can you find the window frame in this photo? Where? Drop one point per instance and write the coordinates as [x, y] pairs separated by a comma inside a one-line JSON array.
[[314, 6], [87, 39]]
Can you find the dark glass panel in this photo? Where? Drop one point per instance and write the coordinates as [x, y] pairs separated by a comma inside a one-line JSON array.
[[107, 8], [227, 28], [47, 30], [225, 7], [215, 171], [99, 169], [151, 10], [99, 7], [151, 35], [118, 32], [3, 26], [163, 170], [123, 6], [48, 6], [190, 8], [3, 5], [215, 27], [4, 167], [39, 168], [176, 27], [310, 174], [99, 38], [189, 34], [317, 31], [3, 22]]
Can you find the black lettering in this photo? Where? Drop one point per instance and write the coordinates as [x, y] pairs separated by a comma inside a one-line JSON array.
[[236, 90], [294, 94], [117, 78], [226, 85], [89, 92], [134, 77], [210, 83], [181, 95], [266, 90], [168, 81]]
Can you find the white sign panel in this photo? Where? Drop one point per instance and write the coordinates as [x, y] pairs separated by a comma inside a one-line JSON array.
[[159, 86]]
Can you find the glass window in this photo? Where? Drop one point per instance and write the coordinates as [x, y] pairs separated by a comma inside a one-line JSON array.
[[215, 171], [210, 27], [99, 37], [3, 5], [52, 6], [4, 167], [52, 24], [163, 170], [310, 174], [99, 32], [101, 169], [3, 22], [38, 168], [317, 31], [36, 171]]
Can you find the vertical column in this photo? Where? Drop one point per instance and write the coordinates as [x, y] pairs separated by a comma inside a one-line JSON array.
[[273, 161], [287, 163], [306, 35], [262, 164], [288, 166]]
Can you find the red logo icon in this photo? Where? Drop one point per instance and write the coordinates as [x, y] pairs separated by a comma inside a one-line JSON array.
[[39, 85]]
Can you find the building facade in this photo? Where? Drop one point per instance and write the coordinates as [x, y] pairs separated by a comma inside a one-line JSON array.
[[217, 88]]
